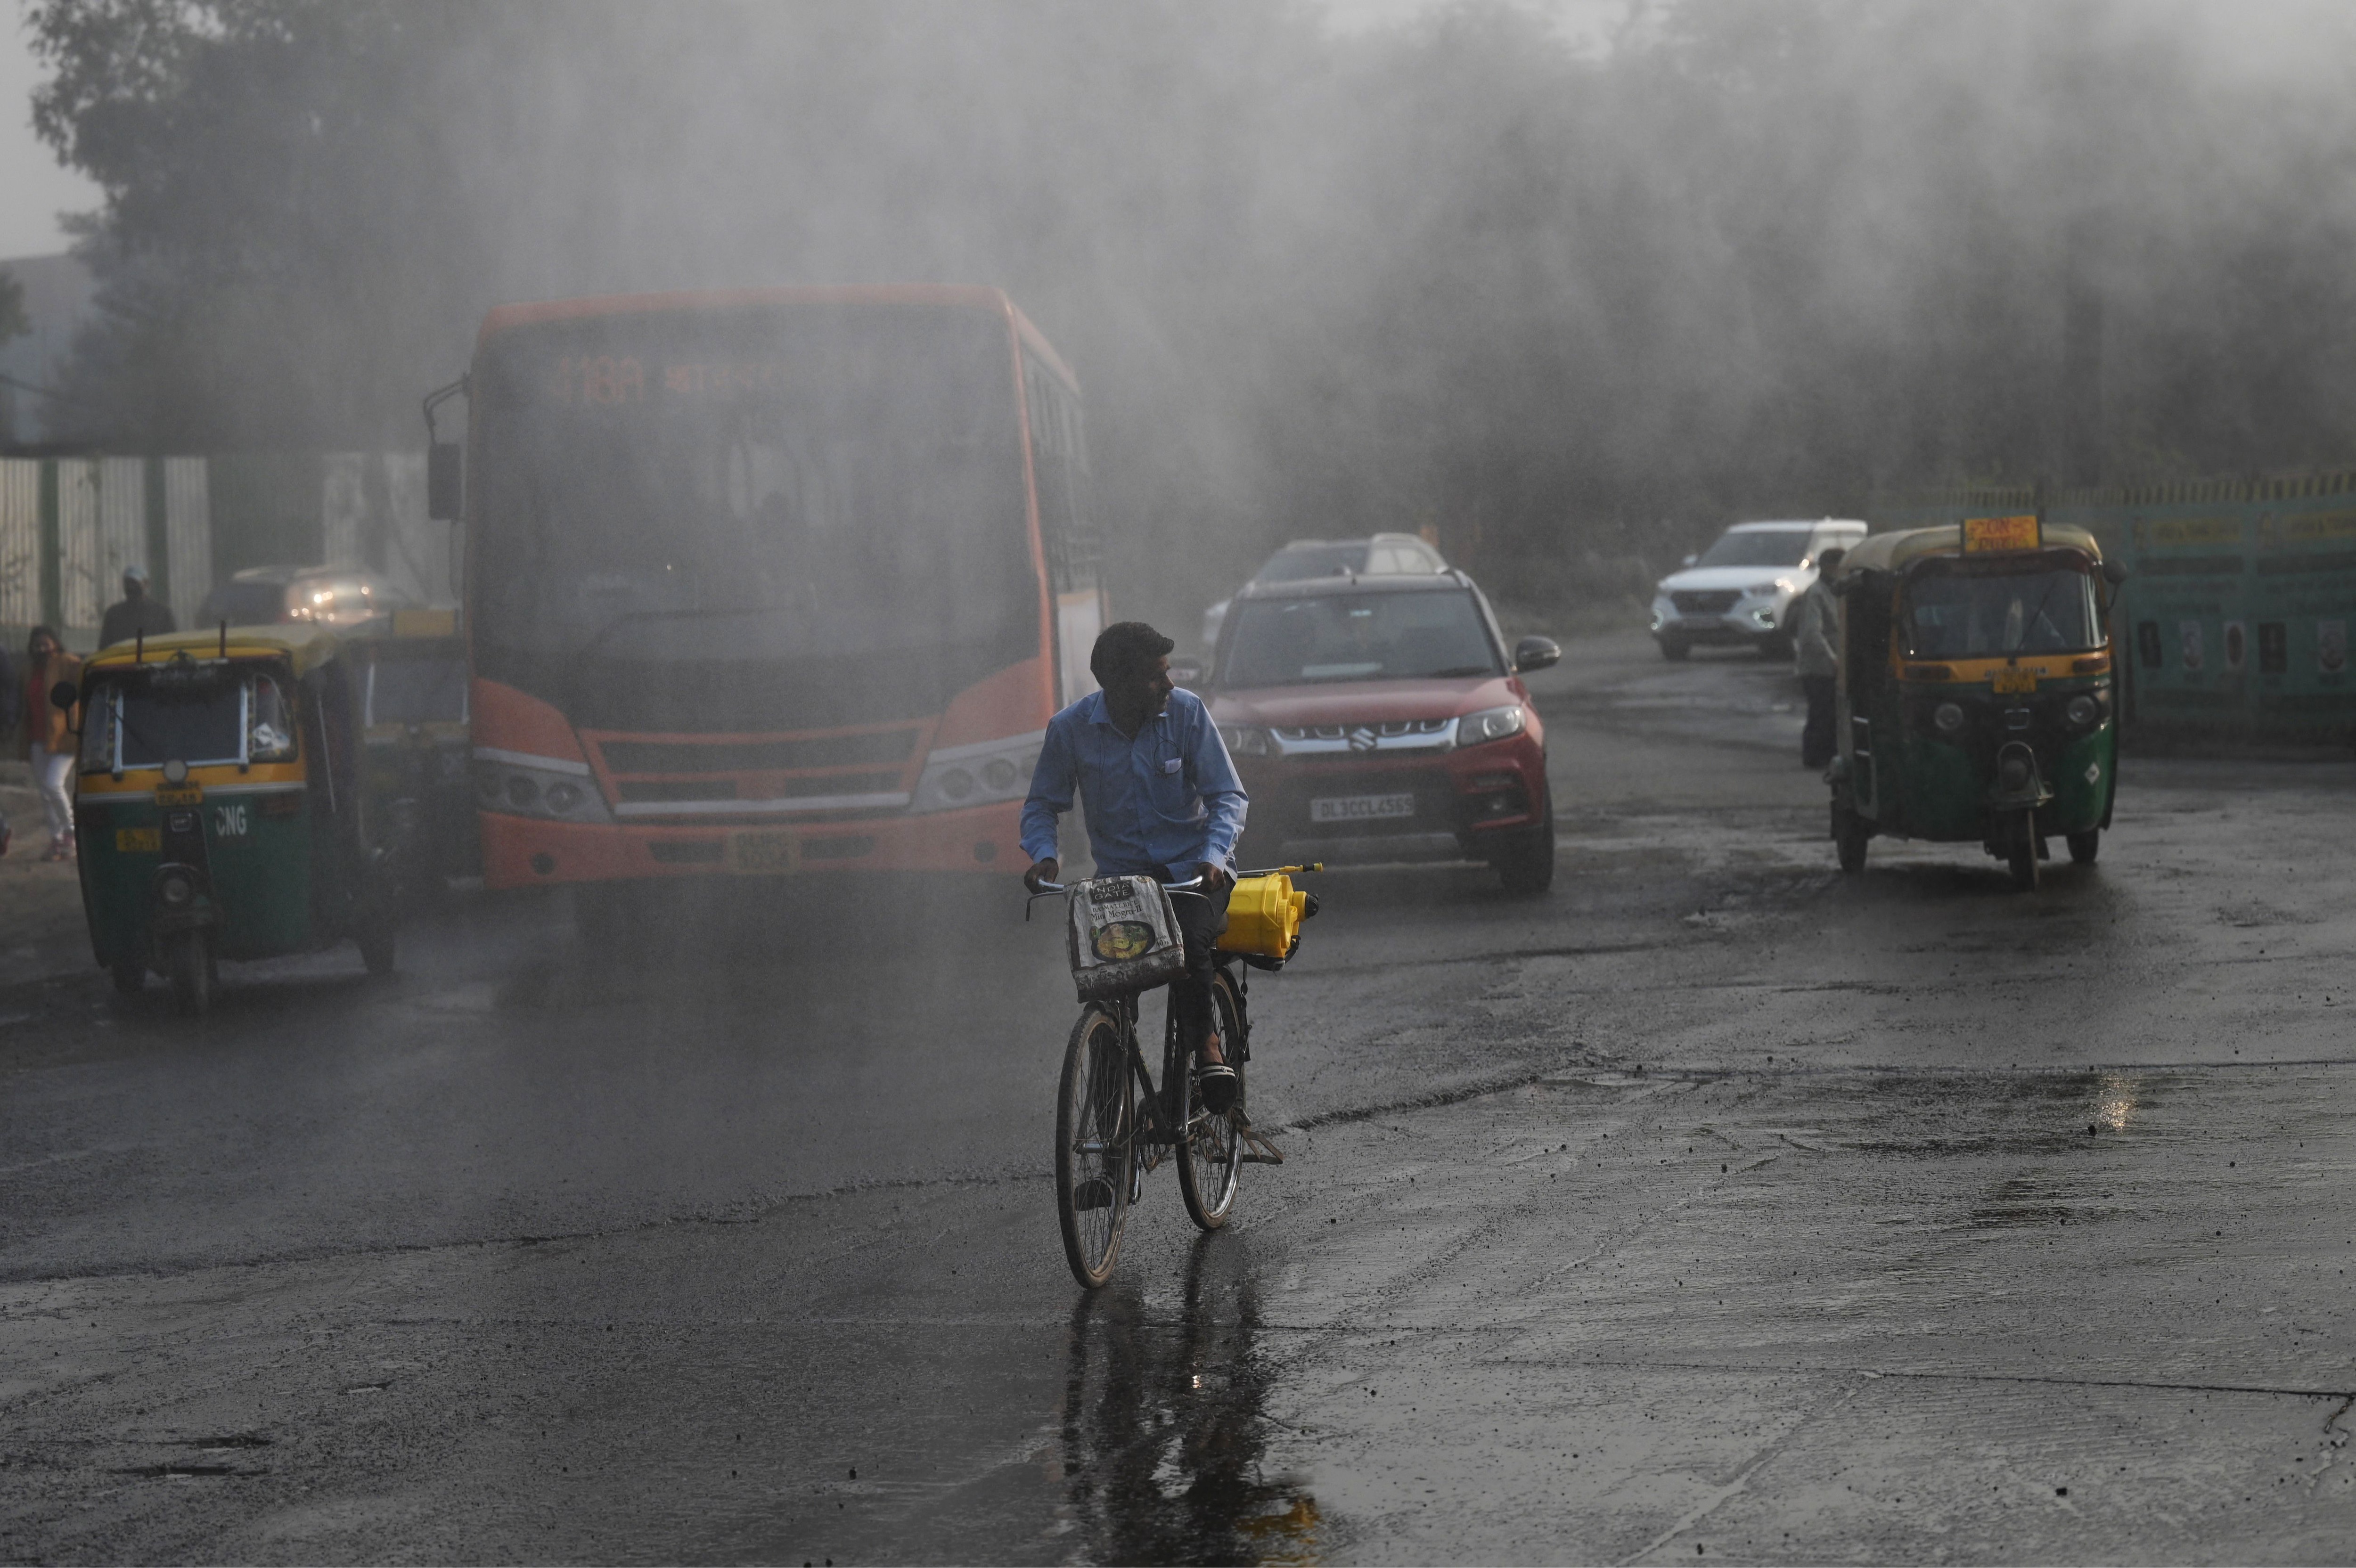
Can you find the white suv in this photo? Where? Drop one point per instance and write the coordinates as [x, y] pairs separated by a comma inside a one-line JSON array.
[[1741, 590]]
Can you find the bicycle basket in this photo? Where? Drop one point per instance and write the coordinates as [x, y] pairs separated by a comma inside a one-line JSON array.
[[1124, 937]]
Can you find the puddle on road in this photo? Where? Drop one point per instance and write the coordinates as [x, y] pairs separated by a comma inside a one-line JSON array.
[[1163, 1427]]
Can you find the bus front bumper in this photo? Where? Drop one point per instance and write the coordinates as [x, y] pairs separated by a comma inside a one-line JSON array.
[[525, 852]]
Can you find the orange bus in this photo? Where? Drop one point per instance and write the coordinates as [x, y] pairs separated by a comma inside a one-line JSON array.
[[768, 581]]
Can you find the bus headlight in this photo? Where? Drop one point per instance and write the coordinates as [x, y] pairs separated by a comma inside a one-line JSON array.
[[984, 774], [546, 789]]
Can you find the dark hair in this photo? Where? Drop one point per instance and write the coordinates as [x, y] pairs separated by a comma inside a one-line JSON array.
[[33, 641], [1125, 650], [1833, 556]]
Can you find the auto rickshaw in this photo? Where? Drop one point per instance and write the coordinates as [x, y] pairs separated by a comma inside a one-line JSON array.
[[219, 807], [413, 690], [1975, 691]]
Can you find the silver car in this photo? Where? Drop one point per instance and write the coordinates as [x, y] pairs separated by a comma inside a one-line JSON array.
[[1740, 592], [1383, 555]]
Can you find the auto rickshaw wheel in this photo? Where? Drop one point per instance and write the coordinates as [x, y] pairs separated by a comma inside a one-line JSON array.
[[2085, 847], [2022, 856], [1850, 837], [188, 960], [130, 976]]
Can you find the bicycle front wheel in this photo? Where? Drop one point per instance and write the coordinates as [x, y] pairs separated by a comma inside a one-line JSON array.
[[1212, 1155], [1094, 1131]]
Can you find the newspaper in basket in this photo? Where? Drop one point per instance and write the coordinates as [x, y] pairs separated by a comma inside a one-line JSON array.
[[1125, 937]]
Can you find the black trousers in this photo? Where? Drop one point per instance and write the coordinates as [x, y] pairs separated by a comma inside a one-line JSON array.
[[1818, 740], [1200, 919]]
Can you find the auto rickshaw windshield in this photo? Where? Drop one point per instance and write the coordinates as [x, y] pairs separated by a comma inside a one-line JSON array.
[[139, 720], [1973, 612]]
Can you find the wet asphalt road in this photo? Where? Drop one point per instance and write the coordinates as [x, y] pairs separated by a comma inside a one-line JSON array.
[[1714, 1207]]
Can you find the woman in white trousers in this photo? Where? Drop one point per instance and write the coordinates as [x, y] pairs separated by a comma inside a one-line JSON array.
[[49, 743]]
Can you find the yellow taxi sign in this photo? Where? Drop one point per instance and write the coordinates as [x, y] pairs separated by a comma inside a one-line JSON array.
[[1987, 534]]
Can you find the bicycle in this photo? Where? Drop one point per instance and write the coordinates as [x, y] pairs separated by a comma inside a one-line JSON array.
[[1113, 1125]]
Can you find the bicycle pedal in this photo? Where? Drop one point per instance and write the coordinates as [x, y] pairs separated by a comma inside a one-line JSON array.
[[1257, 1150]]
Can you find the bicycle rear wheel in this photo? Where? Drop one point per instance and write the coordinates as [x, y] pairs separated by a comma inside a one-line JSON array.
[[1094, 1131], [1212, 1155]]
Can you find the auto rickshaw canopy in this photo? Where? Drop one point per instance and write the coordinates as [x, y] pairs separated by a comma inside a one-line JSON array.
[[305, 648], [1899, 550]]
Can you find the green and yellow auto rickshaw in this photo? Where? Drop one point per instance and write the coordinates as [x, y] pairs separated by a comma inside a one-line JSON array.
[[1975, 691], [220, 808], [418, 760]]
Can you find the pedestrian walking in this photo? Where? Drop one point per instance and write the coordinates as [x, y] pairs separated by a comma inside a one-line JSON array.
[[49, 738], [11, 709], [1814, 656], [134, 614]]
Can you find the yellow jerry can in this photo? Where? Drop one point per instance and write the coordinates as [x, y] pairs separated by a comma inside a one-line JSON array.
[[1263, 916]]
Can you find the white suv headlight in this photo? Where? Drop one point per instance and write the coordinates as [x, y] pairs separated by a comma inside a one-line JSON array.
[[982, 774], [1491, 724]]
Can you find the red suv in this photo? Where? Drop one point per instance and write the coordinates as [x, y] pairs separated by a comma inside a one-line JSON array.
[[1383, 713]]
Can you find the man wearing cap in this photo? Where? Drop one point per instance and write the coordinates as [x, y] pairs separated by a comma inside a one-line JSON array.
[[135, 614], [1163, 801]]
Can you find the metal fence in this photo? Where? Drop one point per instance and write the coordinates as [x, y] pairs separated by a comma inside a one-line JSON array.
[[2238, 603], [68, 525]]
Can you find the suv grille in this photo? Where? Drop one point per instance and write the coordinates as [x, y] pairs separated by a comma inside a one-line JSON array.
[[1714, 601]]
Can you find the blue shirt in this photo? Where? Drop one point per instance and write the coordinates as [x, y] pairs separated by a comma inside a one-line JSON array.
[[1168, 800]]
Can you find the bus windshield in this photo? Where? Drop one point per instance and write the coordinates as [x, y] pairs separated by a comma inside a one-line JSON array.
[[1967, 615], [757, 484]]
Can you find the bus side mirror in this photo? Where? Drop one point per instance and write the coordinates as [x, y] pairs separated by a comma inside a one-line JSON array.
[[446, 470], [1536, 653], [2115, 573]]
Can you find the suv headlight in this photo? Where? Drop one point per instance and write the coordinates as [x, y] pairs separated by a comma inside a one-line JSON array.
[[546, 789], [982, 774], [1491, 724], [1245, 739]]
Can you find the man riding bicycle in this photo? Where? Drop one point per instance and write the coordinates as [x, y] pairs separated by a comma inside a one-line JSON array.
[[1163, 801]]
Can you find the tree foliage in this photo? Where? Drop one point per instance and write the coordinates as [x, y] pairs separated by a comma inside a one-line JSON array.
[[1765, 255]]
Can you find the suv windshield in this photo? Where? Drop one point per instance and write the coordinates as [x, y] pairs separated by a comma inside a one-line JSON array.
[[1357, 636], [1758, 547], [1956, 615]]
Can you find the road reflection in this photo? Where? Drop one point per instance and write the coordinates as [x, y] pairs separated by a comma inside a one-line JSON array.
[[1164, 1428]]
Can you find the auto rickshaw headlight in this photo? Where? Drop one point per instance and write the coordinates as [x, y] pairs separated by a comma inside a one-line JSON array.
[[177, 889], [521, 792], [2082, 710], [1948, 717], [564, 797], [2013, 773]]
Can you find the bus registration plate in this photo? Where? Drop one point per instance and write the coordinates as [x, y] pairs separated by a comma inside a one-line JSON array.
[[767, 853], [1361, 807]]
